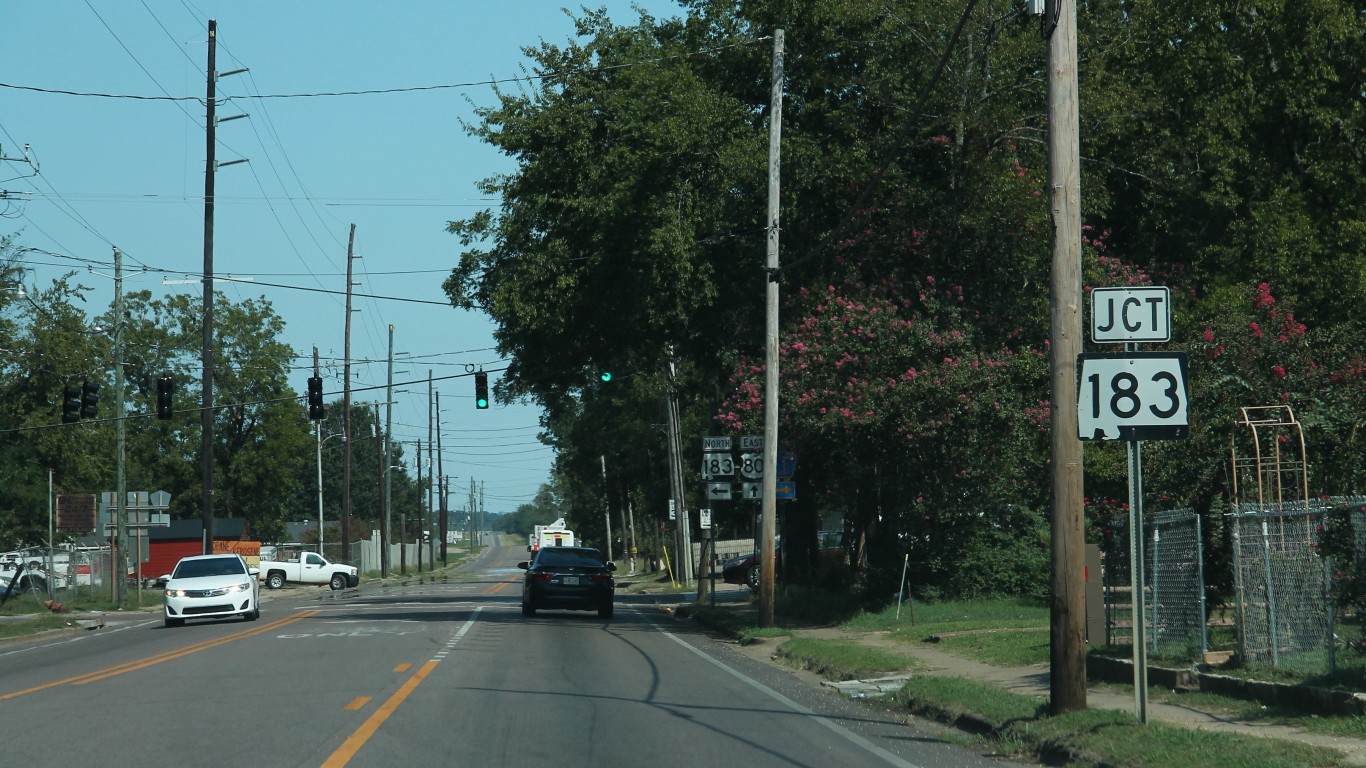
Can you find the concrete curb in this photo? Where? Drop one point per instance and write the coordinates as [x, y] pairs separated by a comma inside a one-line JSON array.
[[1307, 698]]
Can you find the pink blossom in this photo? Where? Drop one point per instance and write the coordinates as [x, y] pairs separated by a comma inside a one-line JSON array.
[[1209, 334], [1264, 298], [1256, 330], [1279, 371]]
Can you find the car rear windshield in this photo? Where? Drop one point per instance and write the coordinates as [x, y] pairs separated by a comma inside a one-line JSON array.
[[558, 557], [217, 566]]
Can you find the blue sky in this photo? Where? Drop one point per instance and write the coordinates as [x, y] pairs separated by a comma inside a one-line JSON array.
[[129, 172]]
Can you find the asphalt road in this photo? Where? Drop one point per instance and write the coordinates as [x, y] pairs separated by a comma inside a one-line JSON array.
[[433, 673]]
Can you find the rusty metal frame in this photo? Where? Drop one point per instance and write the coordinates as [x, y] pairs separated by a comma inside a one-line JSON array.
[[1265, 424]]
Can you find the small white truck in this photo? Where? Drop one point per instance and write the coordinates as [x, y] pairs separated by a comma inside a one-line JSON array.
[[306, 568], [553, 535]]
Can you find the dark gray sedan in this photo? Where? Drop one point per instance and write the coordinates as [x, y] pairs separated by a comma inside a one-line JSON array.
[[574, 578]]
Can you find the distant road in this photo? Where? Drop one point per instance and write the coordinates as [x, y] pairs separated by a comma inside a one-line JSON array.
[[432, 673]]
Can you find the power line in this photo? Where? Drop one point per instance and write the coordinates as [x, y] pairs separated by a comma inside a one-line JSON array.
[[398, 89]]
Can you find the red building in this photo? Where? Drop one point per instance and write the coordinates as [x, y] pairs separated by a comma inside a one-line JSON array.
[[186, 537]]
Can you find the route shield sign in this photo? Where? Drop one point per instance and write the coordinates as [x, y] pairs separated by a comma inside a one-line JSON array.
[[1132, 396], [717, 465]]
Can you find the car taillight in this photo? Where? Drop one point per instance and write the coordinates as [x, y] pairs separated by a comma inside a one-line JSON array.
[[540, 576], [601, 577]]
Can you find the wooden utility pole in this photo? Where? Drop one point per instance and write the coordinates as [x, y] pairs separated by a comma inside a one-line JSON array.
[[120, 440], [441, 473], [431, 478], [383, 509], [606, 505], [421, 515], [206, 352], [1067, 601], [767, 550], [346, 407], [388, 443]]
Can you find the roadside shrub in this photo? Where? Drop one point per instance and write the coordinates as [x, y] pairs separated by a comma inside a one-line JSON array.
[[1003, 554]]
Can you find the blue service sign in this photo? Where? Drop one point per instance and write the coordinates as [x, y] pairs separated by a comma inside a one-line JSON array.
[[787, 464]]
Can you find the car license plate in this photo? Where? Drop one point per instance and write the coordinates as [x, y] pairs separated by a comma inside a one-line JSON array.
[[571, 581]]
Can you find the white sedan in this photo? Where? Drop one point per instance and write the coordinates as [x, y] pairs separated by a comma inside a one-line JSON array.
[[211, 587]]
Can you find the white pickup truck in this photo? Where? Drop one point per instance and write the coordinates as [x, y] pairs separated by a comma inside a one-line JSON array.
[[307, 568]]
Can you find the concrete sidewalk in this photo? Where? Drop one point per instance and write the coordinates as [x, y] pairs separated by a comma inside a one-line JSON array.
[[1034, 681]]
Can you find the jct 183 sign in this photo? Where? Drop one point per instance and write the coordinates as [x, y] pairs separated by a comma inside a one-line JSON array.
[[1132, 396]]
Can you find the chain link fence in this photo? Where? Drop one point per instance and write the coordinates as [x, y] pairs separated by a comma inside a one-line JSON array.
[[1176, 583], [1282, 584], [1173, 579]]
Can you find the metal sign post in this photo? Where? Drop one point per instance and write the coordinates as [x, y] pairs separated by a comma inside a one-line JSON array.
[[1137, 559], [1132, 397]]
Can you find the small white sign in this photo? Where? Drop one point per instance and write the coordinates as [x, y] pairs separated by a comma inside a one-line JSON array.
[[1131, 314], [673, 509], [704, 517], [751, 442], [751, 491]]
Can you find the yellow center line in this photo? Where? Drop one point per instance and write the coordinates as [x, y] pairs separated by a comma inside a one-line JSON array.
[[499, 587], [404, 667], [357, 740], [131, 666], [357, 703]]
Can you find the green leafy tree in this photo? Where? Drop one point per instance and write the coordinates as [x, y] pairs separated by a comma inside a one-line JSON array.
[[51, 346], [1228, 136], [260, 433], [1221, 151]]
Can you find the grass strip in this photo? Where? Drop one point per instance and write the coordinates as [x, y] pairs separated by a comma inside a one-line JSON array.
[[1097, 737], [841, 660], [1006, 648], [33, 626], [927, 618], [947, 699], [1108, 737]]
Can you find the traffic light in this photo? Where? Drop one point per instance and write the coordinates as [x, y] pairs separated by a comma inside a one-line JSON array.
[[90, 399], [605, 376], [315, 398], [71, 405], [165, 397], [481, 390]]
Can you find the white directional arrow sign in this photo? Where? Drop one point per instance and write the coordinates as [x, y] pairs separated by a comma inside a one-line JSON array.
[[718, 491]]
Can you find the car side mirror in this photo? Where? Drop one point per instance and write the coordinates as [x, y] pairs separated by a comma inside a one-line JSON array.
[[253, 571], [165, 577], [524, 565], [611, 566]]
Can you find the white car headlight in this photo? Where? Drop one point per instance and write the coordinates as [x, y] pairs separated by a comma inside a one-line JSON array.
[[242, 587]]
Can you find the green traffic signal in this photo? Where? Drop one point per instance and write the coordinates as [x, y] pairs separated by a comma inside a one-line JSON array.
[[605, 376], [481, 390]]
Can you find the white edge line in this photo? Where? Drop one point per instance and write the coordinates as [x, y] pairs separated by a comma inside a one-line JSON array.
[[785, 701]]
